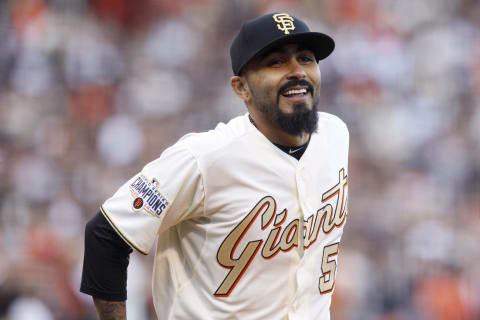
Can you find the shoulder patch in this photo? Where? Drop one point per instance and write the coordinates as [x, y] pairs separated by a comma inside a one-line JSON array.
[[147, 196]]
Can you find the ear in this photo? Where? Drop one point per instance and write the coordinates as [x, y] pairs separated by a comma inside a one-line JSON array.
[[240, 87]]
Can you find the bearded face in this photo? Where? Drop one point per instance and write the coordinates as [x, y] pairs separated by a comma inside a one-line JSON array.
[[285, 87], [302, 117]]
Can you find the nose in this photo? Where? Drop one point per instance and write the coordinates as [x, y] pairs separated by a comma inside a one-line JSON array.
[[296, 71]]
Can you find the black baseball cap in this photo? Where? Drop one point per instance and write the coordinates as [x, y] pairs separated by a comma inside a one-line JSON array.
[[260, 35]]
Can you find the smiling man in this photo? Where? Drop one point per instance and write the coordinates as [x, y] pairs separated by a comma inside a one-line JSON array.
[[247, 217], [283, 104]]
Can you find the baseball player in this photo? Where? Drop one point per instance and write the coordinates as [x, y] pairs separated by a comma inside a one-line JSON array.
[[247, 217]]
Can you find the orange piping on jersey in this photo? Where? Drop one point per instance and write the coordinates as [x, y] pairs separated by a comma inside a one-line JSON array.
[[276, 247], [330, 274], [229, 245], [240, 275], [283, 220], [246, 229]]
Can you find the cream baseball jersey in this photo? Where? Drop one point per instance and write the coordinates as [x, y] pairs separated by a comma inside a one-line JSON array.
[[244, 231]]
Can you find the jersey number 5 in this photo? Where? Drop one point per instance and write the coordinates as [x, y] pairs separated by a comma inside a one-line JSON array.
[[329, 269]]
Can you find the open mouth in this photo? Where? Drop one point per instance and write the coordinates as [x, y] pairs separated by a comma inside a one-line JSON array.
[[295, 92], [296, 89]]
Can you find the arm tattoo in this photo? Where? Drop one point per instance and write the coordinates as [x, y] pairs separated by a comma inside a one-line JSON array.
[[110, 310]]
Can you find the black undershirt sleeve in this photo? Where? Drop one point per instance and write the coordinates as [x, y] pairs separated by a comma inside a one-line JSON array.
[[105, 261]]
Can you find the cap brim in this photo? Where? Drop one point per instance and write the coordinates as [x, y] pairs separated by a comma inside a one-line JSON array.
[[321, 44]]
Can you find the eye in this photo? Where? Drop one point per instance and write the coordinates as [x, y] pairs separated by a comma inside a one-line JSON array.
[[306, 59], [274, 62]]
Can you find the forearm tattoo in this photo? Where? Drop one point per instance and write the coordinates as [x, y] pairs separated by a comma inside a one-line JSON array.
[[110, 310]]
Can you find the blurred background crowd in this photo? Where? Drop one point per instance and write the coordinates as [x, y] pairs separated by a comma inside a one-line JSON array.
[[91, 90]]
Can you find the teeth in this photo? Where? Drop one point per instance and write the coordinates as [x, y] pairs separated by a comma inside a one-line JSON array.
[[293, 91]]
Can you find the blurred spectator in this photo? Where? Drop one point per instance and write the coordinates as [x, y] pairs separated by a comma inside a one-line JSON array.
[[91, 90]]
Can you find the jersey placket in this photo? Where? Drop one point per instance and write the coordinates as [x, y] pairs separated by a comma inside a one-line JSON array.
[[306, 207], [301, 177]]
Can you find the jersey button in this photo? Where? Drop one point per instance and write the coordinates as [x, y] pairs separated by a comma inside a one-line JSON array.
[[295, 306]]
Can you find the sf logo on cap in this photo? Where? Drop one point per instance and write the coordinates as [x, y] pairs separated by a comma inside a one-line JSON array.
[[284, 22]]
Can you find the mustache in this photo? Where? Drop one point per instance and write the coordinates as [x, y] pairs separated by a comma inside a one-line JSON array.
[[293, 83]]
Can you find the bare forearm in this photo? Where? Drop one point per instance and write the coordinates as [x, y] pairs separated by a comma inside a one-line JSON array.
[[110, 310]]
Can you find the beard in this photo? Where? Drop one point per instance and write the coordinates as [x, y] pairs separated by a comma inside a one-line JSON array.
[[301, 120]]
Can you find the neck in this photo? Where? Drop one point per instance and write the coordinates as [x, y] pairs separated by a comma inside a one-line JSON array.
[[275, 134]]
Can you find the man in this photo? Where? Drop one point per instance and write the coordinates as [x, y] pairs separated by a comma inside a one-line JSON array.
[[248, 216]]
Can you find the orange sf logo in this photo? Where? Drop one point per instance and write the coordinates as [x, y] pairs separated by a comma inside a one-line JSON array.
[[138, 203]]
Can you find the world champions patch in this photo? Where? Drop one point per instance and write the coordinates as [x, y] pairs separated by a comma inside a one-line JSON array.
[[146, 196]]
